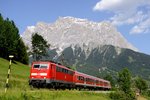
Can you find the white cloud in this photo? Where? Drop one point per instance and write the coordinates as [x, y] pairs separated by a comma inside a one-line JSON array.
[[143, 27], [133, 12], [113, 5]]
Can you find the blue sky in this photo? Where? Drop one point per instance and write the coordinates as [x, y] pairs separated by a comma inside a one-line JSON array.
[[131, 17]]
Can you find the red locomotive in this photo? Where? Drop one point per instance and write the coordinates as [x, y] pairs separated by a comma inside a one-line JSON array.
[[51, 74]]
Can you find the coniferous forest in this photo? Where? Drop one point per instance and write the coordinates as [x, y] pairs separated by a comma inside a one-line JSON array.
[[10, 41]]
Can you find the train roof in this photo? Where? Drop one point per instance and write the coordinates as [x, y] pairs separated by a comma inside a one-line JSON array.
[[52, 62]]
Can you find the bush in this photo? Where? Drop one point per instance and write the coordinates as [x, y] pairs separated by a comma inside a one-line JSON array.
[[130, 96], [120, 95], [146, 93]]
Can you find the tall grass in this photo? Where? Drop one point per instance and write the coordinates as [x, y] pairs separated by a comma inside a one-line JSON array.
[[44, 94]]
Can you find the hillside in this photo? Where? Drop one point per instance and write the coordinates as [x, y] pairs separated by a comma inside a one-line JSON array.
[[105, 60], [20, 90], [18, 77]]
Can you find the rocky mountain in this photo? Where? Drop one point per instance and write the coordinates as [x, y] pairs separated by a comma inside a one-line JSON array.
[[67, 31], [93, 48]]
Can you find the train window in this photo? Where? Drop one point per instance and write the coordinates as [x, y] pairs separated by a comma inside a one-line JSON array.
[[78, 77], [40, 66], [89, 80], [63, 70], [106, 83], [101, 82], [82, 78], [36, 66], [58, 69], [43, 66], [67, 71], [70, 72], [86, 79], [97, 82]]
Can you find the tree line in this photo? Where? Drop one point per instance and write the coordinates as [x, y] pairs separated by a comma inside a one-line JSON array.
[[10, 41], [126, 87]]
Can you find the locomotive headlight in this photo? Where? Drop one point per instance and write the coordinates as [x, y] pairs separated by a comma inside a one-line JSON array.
[[32, 77], [44, 77]]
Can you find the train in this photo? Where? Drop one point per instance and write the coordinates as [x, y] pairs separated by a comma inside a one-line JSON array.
[[55, 75]]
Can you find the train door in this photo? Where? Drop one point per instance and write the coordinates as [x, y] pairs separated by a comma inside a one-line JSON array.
[[53, 71]]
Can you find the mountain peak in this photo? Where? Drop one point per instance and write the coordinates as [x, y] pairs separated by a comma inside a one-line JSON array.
[[72, 19], [70, 31]]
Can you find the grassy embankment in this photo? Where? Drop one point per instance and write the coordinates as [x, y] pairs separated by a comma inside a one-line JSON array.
[[20, 90]]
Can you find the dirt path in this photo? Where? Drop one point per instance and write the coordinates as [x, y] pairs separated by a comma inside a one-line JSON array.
[[141, 98]]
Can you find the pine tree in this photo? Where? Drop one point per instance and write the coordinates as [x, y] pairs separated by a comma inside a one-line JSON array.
[[1, 35], [39, 46], [22, 56]]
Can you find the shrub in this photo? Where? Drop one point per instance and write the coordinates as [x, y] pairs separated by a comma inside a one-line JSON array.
[[146, 93], [120, 95]]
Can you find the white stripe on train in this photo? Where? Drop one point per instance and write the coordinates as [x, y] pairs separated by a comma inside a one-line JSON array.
[[41, 74]]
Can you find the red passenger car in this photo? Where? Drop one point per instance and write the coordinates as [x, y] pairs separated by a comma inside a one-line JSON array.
[[87, 81]]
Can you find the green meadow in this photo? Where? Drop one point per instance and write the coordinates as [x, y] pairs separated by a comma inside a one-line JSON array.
[[20, 90]]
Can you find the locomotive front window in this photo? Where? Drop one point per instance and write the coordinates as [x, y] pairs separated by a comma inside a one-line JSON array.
[[40, 66], [36, 66], [43, 66]]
